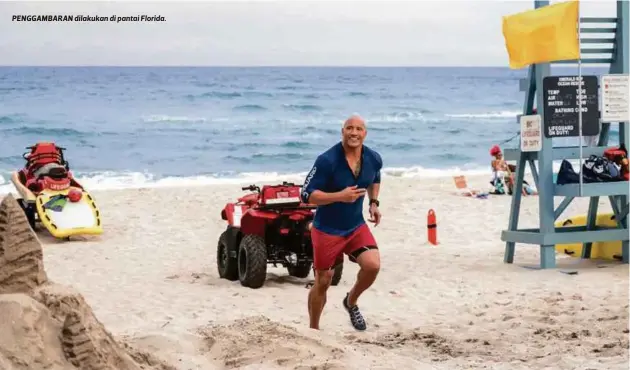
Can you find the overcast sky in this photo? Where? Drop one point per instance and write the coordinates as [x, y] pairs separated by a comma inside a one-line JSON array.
[[267, 33]]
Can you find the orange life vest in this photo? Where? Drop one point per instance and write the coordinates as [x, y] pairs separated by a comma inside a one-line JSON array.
[[42, 154]]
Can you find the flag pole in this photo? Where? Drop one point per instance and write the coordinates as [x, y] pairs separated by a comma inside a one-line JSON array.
[[579, 105]]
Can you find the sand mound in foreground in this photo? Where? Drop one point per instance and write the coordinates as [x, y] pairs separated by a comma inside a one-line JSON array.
[[257, 341], [45, 325]]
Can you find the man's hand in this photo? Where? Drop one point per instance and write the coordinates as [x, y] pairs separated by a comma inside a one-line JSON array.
[[351, 194], [375, 215]]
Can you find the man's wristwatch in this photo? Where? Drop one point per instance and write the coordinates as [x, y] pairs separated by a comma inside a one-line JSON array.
[[374, 201]]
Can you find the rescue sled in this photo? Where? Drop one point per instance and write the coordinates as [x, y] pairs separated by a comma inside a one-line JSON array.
[[51, 196]]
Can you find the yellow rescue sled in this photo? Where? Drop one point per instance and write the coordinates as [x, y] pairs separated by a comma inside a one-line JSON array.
[[51, 196], [600, 250]]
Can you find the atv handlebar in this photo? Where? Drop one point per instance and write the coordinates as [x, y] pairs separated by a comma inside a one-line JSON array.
[[251, 188], [33, 146], [256, 188], [284, 183]]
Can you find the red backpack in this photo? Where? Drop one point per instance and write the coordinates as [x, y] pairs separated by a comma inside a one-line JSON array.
[[619, 156]]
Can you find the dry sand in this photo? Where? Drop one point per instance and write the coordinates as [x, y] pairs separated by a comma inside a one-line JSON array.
[[46, 325], [151, 280]]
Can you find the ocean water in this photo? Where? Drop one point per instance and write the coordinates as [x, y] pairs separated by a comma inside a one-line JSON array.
[[137, 126]]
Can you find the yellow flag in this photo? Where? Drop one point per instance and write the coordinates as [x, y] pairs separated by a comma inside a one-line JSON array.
[[543, 35]]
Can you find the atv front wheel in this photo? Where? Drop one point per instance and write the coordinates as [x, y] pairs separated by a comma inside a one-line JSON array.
[[252, 261], [337, 275], [227, 264], [300, 271]]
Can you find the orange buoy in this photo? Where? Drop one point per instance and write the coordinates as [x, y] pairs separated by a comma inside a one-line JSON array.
[[432, 227], [75, 195]]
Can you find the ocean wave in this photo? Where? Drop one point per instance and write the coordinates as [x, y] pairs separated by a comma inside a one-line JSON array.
[[357, 94], [263, 158], [454, 131], [397, 117], [109, 180], [249, 108], [296, 144], [214, 94], [11, 118], [47, 131], [174, 119], [316, 121], [319, 117], [128, 180], [399, 146], [303, 107], [14, 89], [289, 88], [230, 95], [258, 94], [499, 114], [9, 160], [410, 108], [206, 84], [446, 156]]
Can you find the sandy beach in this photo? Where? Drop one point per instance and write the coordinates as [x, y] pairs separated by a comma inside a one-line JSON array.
[[151, 280]]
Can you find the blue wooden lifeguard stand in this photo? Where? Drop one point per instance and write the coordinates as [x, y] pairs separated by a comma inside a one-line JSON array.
[[547, 235]]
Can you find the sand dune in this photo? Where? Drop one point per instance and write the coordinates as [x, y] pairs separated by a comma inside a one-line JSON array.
[[151, 279], [45, 325]]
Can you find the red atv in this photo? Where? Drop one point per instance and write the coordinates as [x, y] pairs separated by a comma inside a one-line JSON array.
[[268, 226]]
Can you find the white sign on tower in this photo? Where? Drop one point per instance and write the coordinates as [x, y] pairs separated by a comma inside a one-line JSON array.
[[615, 98], [531, 133]]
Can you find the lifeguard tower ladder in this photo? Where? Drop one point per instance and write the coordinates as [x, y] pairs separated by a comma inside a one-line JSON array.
[[547, 235]]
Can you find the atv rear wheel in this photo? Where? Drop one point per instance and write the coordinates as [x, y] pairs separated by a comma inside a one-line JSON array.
[[227, 265], [300, 271], [337, 275], [252, 261]]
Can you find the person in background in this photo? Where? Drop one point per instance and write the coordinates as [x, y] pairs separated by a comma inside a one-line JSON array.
[[503, 175]]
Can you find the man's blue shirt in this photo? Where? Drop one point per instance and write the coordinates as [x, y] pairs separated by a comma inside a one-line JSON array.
[[331, 173]]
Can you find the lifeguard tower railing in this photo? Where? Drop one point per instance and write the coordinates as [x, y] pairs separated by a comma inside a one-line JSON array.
[[614, 44]]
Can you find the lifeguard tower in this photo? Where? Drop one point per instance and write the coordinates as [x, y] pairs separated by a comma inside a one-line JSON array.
[[611, 40]]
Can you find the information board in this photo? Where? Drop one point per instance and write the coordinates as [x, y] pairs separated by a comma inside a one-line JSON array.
[[560, 96], [615, 98], [531, 133]]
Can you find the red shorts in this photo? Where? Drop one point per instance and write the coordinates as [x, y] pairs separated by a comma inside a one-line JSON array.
[[328, 249]]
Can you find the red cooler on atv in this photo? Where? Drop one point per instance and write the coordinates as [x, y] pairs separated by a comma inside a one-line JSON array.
[[268, 226]]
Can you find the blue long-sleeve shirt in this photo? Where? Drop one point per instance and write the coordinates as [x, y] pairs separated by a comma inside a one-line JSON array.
[[331, 173]]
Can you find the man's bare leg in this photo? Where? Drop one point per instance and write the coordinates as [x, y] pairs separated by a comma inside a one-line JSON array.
[[370, 264], [317, 296]]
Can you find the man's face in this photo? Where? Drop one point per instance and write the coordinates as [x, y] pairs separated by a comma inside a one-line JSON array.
[[353, 133]]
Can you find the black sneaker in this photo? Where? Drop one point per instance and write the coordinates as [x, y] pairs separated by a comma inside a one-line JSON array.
[[355, 315]]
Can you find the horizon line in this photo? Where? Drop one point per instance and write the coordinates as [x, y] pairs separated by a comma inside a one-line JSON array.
[[241, 66], [268, 66]]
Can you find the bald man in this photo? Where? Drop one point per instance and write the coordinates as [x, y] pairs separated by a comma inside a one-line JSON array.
[[337, 184]]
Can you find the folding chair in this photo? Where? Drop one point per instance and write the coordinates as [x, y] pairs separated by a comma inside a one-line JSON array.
[[462, 186]]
